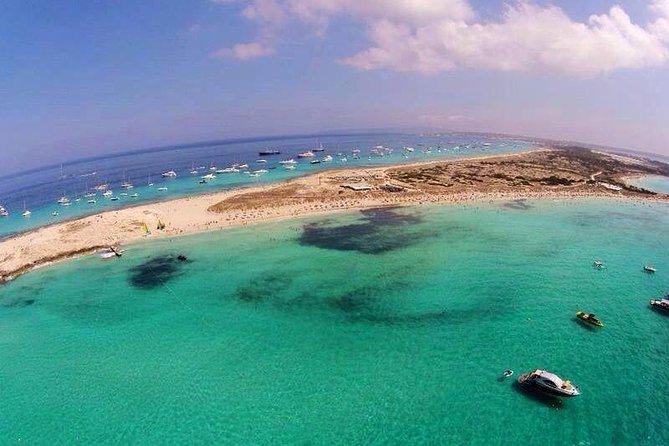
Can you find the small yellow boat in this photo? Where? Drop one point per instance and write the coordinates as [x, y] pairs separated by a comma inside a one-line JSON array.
[[589, 318]]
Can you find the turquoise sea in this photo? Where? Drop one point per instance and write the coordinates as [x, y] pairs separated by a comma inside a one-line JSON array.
[[382, 327], [652, 182]]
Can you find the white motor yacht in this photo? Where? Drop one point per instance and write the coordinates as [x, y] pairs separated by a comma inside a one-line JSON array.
[[549, 383]]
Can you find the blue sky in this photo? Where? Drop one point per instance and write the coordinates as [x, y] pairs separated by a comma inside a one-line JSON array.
[[85, 78]]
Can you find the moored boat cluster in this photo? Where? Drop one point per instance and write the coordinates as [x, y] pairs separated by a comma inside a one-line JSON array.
[[550, 383]]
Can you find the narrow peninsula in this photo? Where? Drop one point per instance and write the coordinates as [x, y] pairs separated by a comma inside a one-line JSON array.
[[557, 172]]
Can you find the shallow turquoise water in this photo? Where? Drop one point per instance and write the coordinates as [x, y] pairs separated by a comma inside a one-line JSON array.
[[652, 182], [377, 328]]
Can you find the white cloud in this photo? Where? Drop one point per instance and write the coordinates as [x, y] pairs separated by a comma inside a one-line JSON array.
[[245, 51], [660, 27], [430, 36]]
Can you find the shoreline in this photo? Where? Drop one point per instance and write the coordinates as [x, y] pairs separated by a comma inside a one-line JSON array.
[[250, 187], [311, 195]]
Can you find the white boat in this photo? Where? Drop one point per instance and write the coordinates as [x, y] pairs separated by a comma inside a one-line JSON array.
[[162, 189], [107, 193], [598, 264], [55, 214], [307, 154], [228, 170], [261, 161], [114, 198], [209, 176], [290, 166], [259, 171], [92, 201], [327, 159], [126, 184], [193, 170], [90, 195], [26, 213], [661, 304], [289, 161], [102, 187], [3, 212], [135, 195], [123, 194], [63, 200], [548, 382], [343, 159], [409, 149], [649, 268], [169, 174], [241, 166]]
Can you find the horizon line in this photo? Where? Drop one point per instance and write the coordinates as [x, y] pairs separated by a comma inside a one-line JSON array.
[[276, 137]]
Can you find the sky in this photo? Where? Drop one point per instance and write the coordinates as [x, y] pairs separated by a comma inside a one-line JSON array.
[[92, 77]]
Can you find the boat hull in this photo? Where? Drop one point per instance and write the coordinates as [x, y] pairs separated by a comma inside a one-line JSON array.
[[585, 319], [530, 383]]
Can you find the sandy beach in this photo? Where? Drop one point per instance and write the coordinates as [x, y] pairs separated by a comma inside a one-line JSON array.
[[535, 176]]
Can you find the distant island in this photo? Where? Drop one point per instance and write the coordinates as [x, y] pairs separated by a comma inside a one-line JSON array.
[[555, 172]]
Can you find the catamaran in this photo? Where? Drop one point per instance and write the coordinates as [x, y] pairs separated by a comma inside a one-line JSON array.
[[26, 212], [169, 174], [126, 184], [228, 170], [63, 201]]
